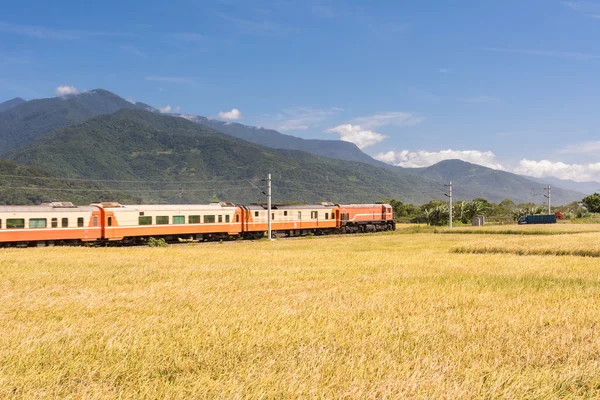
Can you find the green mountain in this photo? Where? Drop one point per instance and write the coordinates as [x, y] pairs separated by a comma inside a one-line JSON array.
[[32, 185], [28, 121], [182, 161], [338, 149], [472, 180], [11, 103]]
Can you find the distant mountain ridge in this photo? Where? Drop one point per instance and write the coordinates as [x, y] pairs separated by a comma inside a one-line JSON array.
[[11, 103], [28, 133], [338, 149], [586, 188], [25, 122], [472, 180], [136, 145]]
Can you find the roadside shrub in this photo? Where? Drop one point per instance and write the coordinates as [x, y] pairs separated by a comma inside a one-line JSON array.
[[153, 242]]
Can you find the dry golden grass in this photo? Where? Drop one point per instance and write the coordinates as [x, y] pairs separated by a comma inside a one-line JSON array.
[[371, 316]]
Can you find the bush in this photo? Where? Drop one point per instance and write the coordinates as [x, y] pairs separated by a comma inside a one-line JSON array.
[[153, 242]]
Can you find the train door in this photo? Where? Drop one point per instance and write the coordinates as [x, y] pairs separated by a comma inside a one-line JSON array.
[[109, 224]]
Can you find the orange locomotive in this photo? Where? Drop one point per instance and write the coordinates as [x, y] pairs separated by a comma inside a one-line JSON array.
[[63, 223]]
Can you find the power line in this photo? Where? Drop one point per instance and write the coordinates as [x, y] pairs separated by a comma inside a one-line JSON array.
[[122, 181], [108, 190]]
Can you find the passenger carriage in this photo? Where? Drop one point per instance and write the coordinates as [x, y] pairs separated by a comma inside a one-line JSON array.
[[134, 223], [48, 224], [290, 220]]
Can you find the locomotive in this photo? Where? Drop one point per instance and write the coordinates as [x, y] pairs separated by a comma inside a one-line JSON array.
[[62, 223]]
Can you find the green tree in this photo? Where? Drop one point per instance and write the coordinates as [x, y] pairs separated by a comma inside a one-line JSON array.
[[592, 202]]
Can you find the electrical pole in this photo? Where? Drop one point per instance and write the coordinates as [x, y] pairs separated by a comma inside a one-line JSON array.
[[548, 196], [269, 206], [449, 195]]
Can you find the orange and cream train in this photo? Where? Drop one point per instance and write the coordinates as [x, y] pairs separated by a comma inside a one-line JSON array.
[[64, 223]]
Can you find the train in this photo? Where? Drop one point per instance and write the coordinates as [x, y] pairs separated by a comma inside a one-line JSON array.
[[62, 223]]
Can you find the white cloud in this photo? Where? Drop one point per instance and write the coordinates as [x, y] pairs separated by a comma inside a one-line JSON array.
[[421, 158], [444, 70], [357, 135], [165, 109], [64, 90], [389, 118], [545, 168], [232, 115]]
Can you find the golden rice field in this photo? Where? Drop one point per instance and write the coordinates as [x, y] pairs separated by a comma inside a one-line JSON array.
[[373, 316]]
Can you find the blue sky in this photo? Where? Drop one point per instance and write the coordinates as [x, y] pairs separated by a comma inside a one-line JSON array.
[[508, 84]]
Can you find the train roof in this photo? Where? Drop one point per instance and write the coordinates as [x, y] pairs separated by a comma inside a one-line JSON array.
[[49, 207], [291, 206], [363, 205], [171, 207]]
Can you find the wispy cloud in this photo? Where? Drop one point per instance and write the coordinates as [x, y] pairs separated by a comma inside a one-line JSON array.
[[392, 118], [186, 36], [39, 32], [322, 11], [134, 50], [6, 58], [444, 70], [582, 148], [298, 118], [247, 26], [170, 79], [584, 7], [42, 32], [479, 99], [567, 55]]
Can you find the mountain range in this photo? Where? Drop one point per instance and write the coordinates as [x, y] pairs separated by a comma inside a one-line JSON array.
[[11, 103], [187, 158]]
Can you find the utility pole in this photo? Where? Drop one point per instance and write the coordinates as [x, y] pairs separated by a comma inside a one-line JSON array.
[[449, 195], [548, 196], [269, 206]]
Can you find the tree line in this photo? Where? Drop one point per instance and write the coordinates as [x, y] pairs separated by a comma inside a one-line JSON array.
[[437, 213]]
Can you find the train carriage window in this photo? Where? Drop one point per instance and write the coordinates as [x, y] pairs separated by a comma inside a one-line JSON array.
[[272, 216], [95, 222], [55, 222], [227, 218], [299, 215], [209, 219], [79, 222], [0, 224], [162, 220], [15, 223], [256, 213], [36, 223], [145, 220], [178, 219], [285, 213], [109, 222], [326, 215], [194, 219], [313, 214], [64, 222], [220, 218], [237, 218]]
